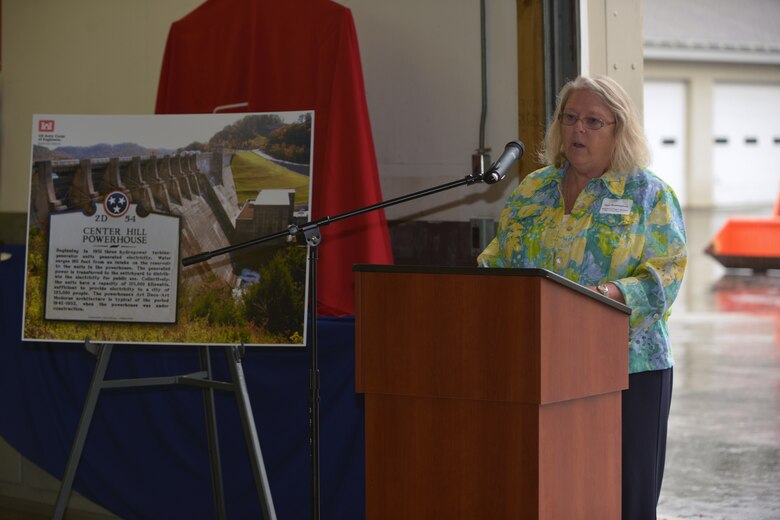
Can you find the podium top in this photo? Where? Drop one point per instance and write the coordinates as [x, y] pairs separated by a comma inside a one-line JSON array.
[[493, 334], [492, 271]]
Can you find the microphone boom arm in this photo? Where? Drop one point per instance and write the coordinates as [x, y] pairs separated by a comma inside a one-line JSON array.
[[293, 229]]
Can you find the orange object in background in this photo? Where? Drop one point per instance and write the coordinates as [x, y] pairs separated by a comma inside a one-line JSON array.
[[749, 242], [776, 210]]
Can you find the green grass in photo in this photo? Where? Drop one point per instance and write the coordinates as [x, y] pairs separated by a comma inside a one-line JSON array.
[[252, 172]]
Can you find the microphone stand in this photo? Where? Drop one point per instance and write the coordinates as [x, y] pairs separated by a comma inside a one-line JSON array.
[[311, 233]]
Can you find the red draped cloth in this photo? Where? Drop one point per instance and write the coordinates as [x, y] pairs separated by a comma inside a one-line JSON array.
[[291, 55]]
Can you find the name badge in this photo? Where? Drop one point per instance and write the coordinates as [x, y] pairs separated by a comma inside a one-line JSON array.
[[616, 206]]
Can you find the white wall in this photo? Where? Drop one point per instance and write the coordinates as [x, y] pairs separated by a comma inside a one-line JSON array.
[[701, 80], [746, 161], [665, 109], [614, 46], [421, 64]]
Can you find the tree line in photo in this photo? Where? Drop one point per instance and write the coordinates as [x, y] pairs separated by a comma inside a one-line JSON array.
[[267, 132]]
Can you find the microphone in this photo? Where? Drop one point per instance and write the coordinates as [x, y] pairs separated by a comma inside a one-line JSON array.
[[497, 171]]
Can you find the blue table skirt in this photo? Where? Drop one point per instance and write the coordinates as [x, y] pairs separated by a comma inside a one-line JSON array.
[[146, 455]]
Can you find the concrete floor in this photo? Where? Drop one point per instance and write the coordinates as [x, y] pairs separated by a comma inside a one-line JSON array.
[[723, 458]]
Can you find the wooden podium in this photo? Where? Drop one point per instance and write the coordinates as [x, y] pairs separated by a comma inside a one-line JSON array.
[[489, 393]]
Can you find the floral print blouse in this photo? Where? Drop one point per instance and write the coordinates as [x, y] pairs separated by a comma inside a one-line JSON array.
[[624, 228]]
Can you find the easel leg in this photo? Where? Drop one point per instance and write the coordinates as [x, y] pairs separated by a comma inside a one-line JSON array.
[[103, 356], [234, 355], [213, 438]]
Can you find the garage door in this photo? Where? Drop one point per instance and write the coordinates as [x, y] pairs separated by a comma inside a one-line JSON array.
[[665, 129], [746, 144]]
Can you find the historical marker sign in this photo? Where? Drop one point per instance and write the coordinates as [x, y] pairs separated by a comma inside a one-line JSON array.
[[116, 203], [122, 267]]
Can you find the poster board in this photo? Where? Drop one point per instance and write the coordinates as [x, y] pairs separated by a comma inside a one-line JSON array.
[[116, 201]]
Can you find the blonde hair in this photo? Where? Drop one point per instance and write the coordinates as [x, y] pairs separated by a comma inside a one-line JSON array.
[[630, 143]]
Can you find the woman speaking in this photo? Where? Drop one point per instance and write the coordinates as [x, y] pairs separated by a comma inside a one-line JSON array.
[[597, 216]]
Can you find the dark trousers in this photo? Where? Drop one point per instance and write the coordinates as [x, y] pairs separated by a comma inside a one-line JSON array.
[[645, 418]]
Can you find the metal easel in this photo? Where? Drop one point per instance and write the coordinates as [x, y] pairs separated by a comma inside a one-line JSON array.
[[202, 379]]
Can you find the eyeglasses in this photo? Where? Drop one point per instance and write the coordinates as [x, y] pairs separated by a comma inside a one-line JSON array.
[[591, 123]]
